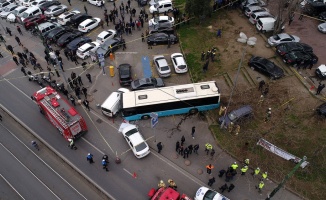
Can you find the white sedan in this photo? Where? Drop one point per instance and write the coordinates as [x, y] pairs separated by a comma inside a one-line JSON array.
[[282, 38], [64, 18], [106, 35], [162, 67], [89, 24], [96, 2], [134, 139], [55, 10], [179, 63], [160, 19], [83, 51]]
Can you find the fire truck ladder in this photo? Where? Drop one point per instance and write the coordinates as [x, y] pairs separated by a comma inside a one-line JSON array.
[[54, 113]]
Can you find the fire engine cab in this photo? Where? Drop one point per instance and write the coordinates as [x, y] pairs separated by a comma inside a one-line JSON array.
[[60, 113], [166, 194]]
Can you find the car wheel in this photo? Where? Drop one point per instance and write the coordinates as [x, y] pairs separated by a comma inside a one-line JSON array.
[[145, 117], [154, 44], [88, 30], [193, 111]]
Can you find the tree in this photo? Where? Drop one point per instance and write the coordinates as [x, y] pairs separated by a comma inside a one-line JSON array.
[[285, 10], [198, 8]]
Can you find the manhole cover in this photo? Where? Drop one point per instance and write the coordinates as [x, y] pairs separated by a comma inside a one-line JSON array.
[[99, 121], [95, 90]]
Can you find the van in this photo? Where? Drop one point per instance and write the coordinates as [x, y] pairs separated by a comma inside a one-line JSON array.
[[31, 11], [265, 24], [255, 16], [161, 7], [46, 27], [112, 104]]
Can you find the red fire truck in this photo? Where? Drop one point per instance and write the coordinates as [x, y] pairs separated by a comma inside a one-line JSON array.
[[166, 194], [60, 113]]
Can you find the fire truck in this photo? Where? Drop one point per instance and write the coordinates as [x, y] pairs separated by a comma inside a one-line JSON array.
[[166, 194], [60, 113]]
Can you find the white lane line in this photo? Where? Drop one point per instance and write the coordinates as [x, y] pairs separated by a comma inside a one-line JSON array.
[[128, 172], [29, 170], [12, 187], [42, 162], [17, 89]]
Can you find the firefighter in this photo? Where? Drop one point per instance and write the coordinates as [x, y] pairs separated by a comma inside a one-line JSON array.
[[256, 172], [234, 166], [161, 184], [230, 127], [222, 110], [246, 161], [172, 184], [260, 186], [244, 170], [72, 144], [264, 176]]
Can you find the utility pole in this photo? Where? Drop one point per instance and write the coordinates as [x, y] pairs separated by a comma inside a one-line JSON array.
[[289, 175]]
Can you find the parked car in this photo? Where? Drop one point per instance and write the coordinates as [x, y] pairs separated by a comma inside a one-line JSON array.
[[248, 3], [205, 193], [125, 76], [236, 116], [29, 22], [300, 57], [38, 2], [162, 67], [76, 43], [89, 24], [145, 83], [96, 2], [321, 110], [166, 27], [161, 19], [282, 38], [266, 67], [54, 32], [27, 3], [322, 16], [161, 38], [55, 10], [322, 27], [179, 63], [67, 37], [134, 139], [12, 16], [8, 10], [253, 9], [48, 4], [106, 35], [109, 46], [83, 51], [287, 47], [321, 71], [78, 18], [4, 5], [64, 18]]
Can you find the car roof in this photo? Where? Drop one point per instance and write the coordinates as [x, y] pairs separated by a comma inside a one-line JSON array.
[[322, 68], [242, 110], [103, 33], [77, 41], [85, 46], [86, 21]]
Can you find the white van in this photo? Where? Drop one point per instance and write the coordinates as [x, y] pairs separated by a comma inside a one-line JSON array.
[[265, 24], [255, 16], [31, 11], [112, 104], [161, 7]]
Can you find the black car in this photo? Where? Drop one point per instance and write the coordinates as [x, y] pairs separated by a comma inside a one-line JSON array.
[[47, 5], [144, 83], [66, 38], [79, 18], [285, 48], [266, 67], [161, 38], [322, 16], [76, 43], [236, 116], [300, 57], [109, 46], [56, 32], [321, 110], [162, 28], [125, 76]]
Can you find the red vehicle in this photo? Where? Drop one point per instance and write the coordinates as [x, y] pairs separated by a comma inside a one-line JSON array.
[[60, 113], [30, 22], [166, 193]]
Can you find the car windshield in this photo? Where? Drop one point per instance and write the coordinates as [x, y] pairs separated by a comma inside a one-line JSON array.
[[156, 5], [130, 132], [6, 9], [276, 37], [209, 195], [99, 38], [137, 83], [48, 10], [165, 68], [232, 116], [26, 1], [25, 15], [15, 12], [182, 66], [141, 146]]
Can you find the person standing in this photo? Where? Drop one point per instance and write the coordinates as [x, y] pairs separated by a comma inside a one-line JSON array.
[[8, 31], [86, 104], [19, 30], [90, 158], [84, 90], [72, 144], [208, 147], [180, 150], [260, 186], [193, 130], [211, 181], [177, 146], [264, 176], [256, 172], [142, 37], [1, 56], [183, 139], [159, 147], [291, 18], [231, 187], [0, 117], [212, 154], [261, 85], [88, 76], [80, 82], [2, 39], [22, 69], [223, 188], [18, 40], [190, 147], [196, 147], [219, 33], [69, 2], [11, 49], [186, 153], [222, 110], [268, 114], [234, 166], [15, 60], [320, 88], [244, 169], [172, 184], [105, 164], [237, 129], [85, 9], [221, 173], [209, 168]]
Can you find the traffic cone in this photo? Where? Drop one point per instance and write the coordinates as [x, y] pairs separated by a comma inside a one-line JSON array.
[[312, 87], [134, 175]]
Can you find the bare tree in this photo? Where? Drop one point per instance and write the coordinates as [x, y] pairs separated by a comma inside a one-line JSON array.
[[285, 9]]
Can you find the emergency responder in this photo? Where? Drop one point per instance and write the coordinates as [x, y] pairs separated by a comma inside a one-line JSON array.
[[237, 129], [222, 110], [246, 161], [72, 143], [234, 166], [72, 99], [90, 158], [230, 127], [208, 147], [264, 176], [260, 186], [256, 172], [172, 184], [209, 168], [161, 184], [244, 169]]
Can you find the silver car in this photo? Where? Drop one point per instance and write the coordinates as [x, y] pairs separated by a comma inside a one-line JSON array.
[[162, 67], [8, 10], [55, 10], [322, 27], [282, 38]]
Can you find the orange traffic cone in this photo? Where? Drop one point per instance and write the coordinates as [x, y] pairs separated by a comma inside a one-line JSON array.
[[134, 175]]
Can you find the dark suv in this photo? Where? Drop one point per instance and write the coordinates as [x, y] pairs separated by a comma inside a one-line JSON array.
[[109, 46], [125, 77], [76, 43], [236, 116], [79, 18]]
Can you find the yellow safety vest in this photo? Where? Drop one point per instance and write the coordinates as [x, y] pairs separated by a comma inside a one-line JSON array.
[[244, 169], [257, 171], [234, 166], [261, 185], [264, 175]]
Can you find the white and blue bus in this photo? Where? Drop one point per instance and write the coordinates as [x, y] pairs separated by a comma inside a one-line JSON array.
[[173, 100]]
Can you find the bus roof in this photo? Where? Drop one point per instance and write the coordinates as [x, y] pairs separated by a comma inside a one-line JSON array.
[[169, 94]]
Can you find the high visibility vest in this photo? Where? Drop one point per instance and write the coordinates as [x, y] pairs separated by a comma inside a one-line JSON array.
[[257, 171], [244, 169], [234, 166], [247, 161], [208, 146], [261, 185], [264, 175], [209, 167]]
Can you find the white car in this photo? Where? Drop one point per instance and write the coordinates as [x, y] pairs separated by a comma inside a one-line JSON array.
[[8, 10], [83, 51], [204, 193], [96, 2], [64, 18], [106, 35], [282, 38], [55, 10], [27, 3], [160, 19], [134, 139], [12, 16], [38, 2], [89, 24], [162, 67], [4, 5], [179, 63]]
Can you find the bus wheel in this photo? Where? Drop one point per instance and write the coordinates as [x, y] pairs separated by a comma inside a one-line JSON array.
[[145, 117], [193, 111]]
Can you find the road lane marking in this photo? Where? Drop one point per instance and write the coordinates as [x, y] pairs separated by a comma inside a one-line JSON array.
[[128, 172], [146, 67], [12, 187]]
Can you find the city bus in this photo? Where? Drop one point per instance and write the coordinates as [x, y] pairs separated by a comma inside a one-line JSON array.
[[172, 100]]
